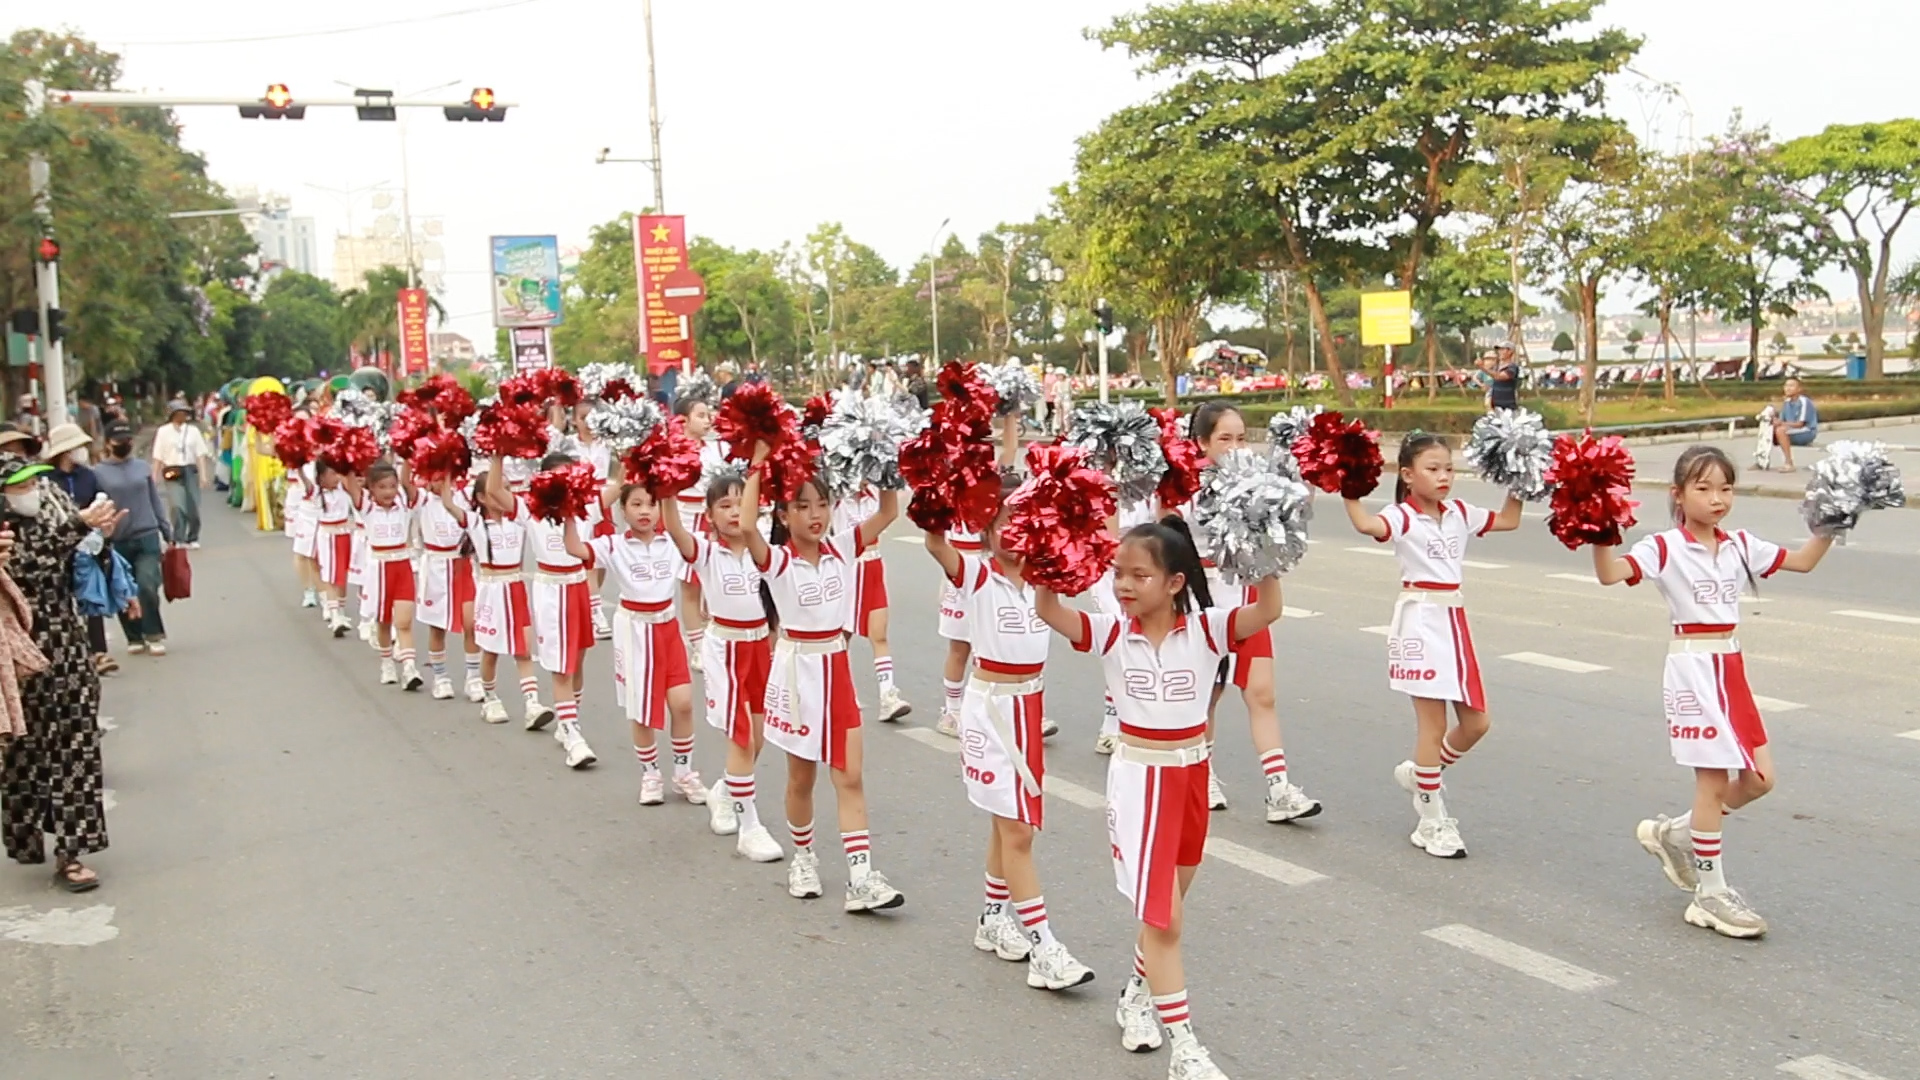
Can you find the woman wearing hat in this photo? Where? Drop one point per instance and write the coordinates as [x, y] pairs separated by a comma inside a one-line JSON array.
[[51, 780], [67, 450], [180, 453]]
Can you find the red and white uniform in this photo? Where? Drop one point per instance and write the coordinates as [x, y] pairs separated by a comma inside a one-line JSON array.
[[693, 501], [1429, 646], [1001, 754], [736, 654], [388, 577], [649, 658], [953, 614], [562, 600], [810, 700], [303, 513], [870, 578], [501, 612], [446, 575], [1712, 722], [333, 534], [1157, 799]]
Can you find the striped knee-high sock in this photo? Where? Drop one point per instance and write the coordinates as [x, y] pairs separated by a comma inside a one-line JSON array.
[[682, 756]]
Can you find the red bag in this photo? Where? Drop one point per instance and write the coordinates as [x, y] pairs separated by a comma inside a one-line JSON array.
[[176, 574]]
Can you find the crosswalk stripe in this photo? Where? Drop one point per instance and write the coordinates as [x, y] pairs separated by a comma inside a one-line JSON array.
[[921, 540], [1477, 565], [1914, 735], [1299, 613], [1774, 704], [1822, 1067], [1880, 616], [1584, 579], [1557, 663], [1548, 969], [1383, 631], [1258, 862], [1069, 791], [1384, 551], [930, 737]]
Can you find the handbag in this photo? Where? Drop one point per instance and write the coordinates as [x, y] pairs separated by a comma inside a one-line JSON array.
[[176, 574], [171, 473]]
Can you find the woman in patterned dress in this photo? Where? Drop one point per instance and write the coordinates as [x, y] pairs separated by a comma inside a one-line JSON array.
[[51, 782]]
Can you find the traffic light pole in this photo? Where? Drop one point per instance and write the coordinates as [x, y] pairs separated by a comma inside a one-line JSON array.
[[53, 368], [653, 111]]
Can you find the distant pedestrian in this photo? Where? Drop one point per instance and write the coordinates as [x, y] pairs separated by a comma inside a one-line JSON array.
[[68, 450], [1798, 423], [1503, 392], [141, 538], [186, 465]]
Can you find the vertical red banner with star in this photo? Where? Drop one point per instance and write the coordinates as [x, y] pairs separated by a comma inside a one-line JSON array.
[[660, 248], [414, 355]]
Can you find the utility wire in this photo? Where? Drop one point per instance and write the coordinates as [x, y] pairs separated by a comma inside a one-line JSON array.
[[338, 29]]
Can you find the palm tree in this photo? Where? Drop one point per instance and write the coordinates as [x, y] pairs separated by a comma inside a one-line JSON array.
[[370, 315]]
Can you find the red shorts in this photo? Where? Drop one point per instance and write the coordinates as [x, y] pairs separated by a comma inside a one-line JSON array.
[[649, 659], [736, 681], [335, 557], [393, 583], [1156, 823], [869, 593], [1257, 647]]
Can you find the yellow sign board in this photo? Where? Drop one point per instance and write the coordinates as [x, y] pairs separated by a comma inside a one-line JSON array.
[[1386, 318]]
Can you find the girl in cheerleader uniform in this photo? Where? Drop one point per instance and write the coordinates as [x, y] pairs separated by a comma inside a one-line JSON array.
[[1106, 601], [562, 622], [1002, 755], [812, 712], [1430, 654], [650, 674], [303, 526], [386, 521], [738, 655], [1160, 657], [870, 600], [692, 504], [1219, 428], [502, 614], [444, 515], [332, 510], [953, 615], [599, 519], [1713, 726]]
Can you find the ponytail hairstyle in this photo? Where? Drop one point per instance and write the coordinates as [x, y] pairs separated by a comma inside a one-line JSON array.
[[1696, 463], [1169, 543], [1416, 443], [1203, 421]]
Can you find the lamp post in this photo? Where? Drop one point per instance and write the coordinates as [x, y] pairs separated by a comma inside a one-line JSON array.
[[933, 284], [1045, 275]]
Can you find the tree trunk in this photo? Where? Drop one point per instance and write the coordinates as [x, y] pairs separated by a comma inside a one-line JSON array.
[[1317, 311], [1666, 349], [1590, 368], [1752, 370], [1433, 347]]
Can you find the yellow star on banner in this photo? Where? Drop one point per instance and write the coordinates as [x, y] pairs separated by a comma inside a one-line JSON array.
[[661, 233]]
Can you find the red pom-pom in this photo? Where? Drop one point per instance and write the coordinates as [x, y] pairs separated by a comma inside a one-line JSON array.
[[1057, 521], [266, 412], [1592, 487], [754, 414], [346, 447], [564, 493], [950, 466], [814, 415], [413, 424], [523, 389], [1337, 456], [1169, 419], [440, 455], [441, 395], [293, 441], [618, 390], [966, 393], [1181, 482], [558, 384], [667, 461], [511, 430]]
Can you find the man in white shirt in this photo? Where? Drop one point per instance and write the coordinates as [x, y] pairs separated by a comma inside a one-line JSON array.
[[181, 458]]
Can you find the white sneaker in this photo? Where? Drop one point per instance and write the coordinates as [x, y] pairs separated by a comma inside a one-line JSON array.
[[1664, 842], [721, 816], [1286, 802], [493, 711], [1049, 727], [1002, 937], [389, 674], [338, 624], [693, 659], [410, 677], [1105, 742], [653, 791], [602, 629], [442, 689], [365, 630], [1192, 1062], [579, 754], [156, 648], [309, 599], [1440, 838], [691, 789], [538, 715], [1403, 775], [892, 707], [872, 893], [1216, 795], [949, 725], [476, 692], [134, 648], [803, 876], [1139, 1023], [1052, 967], [758, 844], [1727, 914]]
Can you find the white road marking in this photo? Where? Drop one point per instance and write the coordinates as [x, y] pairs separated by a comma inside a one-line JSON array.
[[1378, 550], [1584, 579], [1881, 616], [1526, 961], [1298, 613], [1774, 704], [1383, 631], [107, 724], [61, 926], [1822, 1067], [1265, 865], [1914, 735], [1069, 791], [1476, 565], [921, 540], [930, 737], [107, 801], [1557, 663]]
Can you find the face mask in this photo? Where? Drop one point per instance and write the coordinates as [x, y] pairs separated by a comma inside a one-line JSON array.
[[80, 456], [26, 506], [121, 449]]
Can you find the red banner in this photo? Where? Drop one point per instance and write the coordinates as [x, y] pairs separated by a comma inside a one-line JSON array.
[[659, 249], [414, 358]]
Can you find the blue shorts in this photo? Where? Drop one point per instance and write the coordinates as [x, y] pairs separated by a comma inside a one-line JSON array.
[[1803, 437]]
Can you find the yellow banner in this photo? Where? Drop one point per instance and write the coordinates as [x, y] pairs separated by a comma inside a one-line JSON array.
[[1386, 318]]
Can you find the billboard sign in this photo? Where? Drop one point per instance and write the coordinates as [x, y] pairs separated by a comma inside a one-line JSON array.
[[660, 253], [532, 348], [526, 281]]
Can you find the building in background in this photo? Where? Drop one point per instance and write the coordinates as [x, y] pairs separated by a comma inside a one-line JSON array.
[[286, 242], [385, 244], [450, 350]]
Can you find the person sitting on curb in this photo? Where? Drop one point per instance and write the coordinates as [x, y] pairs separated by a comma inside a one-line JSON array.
[[1798, 423]]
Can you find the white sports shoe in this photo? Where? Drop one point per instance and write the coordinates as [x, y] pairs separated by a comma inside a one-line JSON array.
[[1002, 937], [389, 674], [873, 893], [1139, 1024], [1049, 727], [691, 789], [693, 659], [602, 629], [442, 689], [949, 725], [803, 876], [1192, 1062], [721, 816], [1286, 802], [365, 630], [309, 599], [538, 715], [1105, 742], [493, 711], [893, 707], [653, 791], [338, 624], [476, 693], [579, 754], [1216, 795], [758, 844], [1727, 914], [410, 679], [1052, 967], [1440, 838], [1675, 853]]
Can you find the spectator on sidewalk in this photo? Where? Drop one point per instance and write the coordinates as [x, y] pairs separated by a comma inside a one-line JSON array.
[[1504, 390], [1798, 424], [140, 538], [68, 449], [186, 465]]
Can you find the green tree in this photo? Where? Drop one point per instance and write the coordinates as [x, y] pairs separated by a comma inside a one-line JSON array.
[[1866, 179], [1562, 344], [1581, 241], [1634, 337], [1675, 243], [370, 314], [602, 303], [300, 326], [1463, 288]]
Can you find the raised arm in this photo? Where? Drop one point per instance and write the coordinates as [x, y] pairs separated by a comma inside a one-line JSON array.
[[1608, 568], [872, 528], [453, 508], [1250, 619], [1508, 519], [1065, 621], [945, 554], [1364, 523], [750, 506], [493, 491], [408, 489], [570, 537], [1809, 555], [1010, 440]]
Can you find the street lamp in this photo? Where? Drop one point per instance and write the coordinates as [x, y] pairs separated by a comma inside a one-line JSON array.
[[1046, 274], [933, 283]]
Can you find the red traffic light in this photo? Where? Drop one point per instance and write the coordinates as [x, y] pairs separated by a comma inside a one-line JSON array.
[[482, 98], [49, 249], [278, 96]]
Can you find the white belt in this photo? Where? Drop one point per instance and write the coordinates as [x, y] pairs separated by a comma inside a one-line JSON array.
[[396, 555], [1000, 689], [1181, 756], [664, 615], [488, 573], [1442, 597], [1719, 646], [738, 633], [812, 648], [571, 577], [333, 528]]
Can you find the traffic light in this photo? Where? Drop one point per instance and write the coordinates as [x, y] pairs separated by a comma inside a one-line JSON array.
[[375, 105], [481, 105], [25, 322], [56, 324], [276, 104], [1103, 316], [48, 249]]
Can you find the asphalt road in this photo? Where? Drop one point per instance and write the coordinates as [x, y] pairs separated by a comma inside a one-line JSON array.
[[315, 876]]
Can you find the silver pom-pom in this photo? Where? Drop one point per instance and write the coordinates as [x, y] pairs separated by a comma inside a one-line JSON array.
[[1014, 383], [697, 385], [1512, 448], [593, 379], [1854, 478], [1250, 519], [564, 442], [1123, 441], [622, 425], [860, 443], [1282, 429], [357, 408]]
